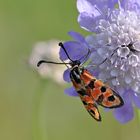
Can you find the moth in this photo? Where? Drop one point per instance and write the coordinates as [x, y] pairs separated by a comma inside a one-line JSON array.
[[92, 91]]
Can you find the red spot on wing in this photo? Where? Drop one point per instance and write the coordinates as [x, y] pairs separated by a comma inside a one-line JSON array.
[[95, 93]]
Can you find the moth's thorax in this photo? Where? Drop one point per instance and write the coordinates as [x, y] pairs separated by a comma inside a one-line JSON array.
[[75, 73]]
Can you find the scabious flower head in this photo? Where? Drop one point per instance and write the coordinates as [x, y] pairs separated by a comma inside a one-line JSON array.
[[114, 41], [47, 50]]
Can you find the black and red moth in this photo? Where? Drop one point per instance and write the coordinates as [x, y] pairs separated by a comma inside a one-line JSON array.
[[92, 91]]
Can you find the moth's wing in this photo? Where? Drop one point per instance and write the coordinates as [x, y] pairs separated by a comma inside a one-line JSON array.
[[91, 107], [109, 98], [104, 95], [93, 111]]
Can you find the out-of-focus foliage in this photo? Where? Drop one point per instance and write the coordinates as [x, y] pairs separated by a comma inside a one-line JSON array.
[[36, 109]]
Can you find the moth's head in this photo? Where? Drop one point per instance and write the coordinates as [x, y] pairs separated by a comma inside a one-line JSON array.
[[75, 63]]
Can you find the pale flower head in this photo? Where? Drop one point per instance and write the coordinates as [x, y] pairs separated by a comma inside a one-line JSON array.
[[47, 50]]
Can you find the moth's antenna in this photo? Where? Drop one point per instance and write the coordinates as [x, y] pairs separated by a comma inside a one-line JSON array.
[[109, 56], [104, 59], [51, 62], [66, 64], [85, 56], [61, 45]]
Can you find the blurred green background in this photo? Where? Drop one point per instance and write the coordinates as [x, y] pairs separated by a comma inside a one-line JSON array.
[[33, 109]]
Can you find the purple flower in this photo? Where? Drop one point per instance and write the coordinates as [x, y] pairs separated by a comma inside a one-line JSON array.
[[116, 39], [91, 11]]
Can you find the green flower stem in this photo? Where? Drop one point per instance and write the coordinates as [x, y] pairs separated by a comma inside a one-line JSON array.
[[139, 115], [37, 131]]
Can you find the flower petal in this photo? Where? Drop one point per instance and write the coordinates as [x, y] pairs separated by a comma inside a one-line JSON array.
[[93, 70], [130, 4], [66, 75], [89, 5], [123, 51], [74, 49], [136, 99], [76, 36], [137, 45], [88, 21], [86, 6], [96, 59], [133, 60], [125, 113], [71, 91]]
